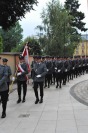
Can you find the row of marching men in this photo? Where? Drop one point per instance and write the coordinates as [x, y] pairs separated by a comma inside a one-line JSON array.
[[60, 70], [44, 72]]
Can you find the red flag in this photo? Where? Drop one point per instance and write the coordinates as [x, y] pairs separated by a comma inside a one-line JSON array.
[[26, 57]]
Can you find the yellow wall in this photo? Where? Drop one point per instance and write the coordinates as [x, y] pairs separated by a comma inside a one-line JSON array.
[[82, 49]]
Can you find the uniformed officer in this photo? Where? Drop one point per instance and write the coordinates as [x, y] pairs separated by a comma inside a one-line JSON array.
[[66, 70], [3, 88], [38, 79], [49, 65], [32, 64], [9, 72], [59, 71], [22, 70]]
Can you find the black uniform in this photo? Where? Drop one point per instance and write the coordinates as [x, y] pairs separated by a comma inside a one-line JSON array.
[[3, 89], [48, 77], [59, 72], [22, 81], [40, 71]]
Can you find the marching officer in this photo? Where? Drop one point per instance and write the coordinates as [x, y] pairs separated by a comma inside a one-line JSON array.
[[9, 73], [49, 66], [66, 70], [40, 71], [3, 88], [59, 71], [32, 64], [22, 71]]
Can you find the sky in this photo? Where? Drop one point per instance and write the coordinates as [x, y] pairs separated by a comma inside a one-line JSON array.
[[33, 19]]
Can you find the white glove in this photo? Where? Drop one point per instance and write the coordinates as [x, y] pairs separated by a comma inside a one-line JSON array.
[[19, 73], [47, 70], [73, 68], [65, 70], [13, 79], [38, 76], [59, 70], [55, 68]]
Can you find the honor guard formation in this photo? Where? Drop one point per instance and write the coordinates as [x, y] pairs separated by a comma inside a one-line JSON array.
[[45, 71]]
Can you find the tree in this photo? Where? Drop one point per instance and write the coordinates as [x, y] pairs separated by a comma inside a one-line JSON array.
[[32, 43], [77, 16], [60, 38], [55, 20], [12, 37], [13, 10], [1, 45]]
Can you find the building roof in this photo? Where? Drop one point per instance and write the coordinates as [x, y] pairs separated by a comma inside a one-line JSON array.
[[84, 37]]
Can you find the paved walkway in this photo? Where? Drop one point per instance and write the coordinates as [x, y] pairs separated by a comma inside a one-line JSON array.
[[59, 113]]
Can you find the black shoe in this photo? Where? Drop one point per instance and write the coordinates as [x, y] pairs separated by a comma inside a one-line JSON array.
[[48, 86], [3, 115], [41, 100], [57, 86], [45, 86], [37, 100], [0, 101], [23, 100], [60, 86], [19, 100]]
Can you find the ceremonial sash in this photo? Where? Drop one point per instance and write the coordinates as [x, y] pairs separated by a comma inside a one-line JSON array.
[[19, 68]]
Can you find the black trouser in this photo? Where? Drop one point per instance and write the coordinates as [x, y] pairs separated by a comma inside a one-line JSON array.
[[48, 78], [59, 79], [76, 72], [4, 98], [40, 84], [64, 77], [24, 84], [54, 77], [8, 83]]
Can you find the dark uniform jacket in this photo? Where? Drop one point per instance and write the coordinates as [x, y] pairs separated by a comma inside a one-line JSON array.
[[59, 66], [23, 76], [66, 66], [49, 66], [9, 73], [32, 68], [39, 69], [3, 78]]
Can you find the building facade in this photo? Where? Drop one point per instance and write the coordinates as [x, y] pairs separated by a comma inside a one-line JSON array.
[[82, 48]]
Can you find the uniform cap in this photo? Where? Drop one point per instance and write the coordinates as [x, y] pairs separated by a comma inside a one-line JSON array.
[[43, 57], [21, 57], [4, 60], [35, 56], [47, 56], [38, 57]]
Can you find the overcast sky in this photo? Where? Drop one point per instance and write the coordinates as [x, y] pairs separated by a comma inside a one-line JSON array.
[[33, 19]]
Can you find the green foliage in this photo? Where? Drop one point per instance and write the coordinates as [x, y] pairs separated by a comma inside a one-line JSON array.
[[32, 43], [13, 10], [59, 36], [77, 16], [12, 37], [1, 45]]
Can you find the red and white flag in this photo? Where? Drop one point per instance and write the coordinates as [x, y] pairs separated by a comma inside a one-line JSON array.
[[19, 68], [26, 57]]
